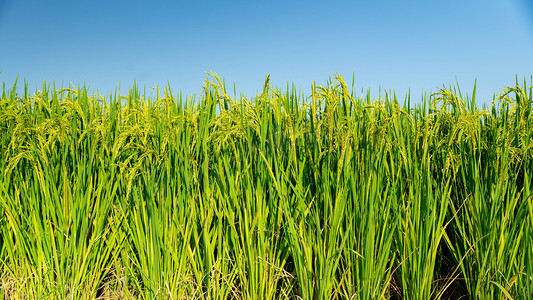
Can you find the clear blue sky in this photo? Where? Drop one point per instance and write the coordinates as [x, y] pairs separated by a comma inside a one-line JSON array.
[[393, 44]]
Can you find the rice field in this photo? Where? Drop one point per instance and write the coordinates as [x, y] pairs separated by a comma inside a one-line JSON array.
[[332, 195]]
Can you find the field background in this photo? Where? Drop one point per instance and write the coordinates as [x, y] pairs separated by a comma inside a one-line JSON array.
[[331, 195]]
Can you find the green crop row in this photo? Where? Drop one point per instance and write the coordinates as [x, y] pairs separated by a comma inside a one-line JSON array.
[[333, 196]]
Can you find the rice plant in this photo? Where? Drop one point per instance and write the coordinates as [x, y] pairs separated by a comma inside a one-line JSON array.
[[336, 195]]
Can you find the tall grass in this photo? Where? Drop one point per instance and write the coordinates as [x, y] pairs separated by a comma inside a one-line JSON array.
[[280, 196]]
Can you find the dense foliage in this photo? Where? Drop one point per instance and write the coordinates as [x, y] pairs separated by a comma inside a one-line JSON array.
[[330, 196]]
